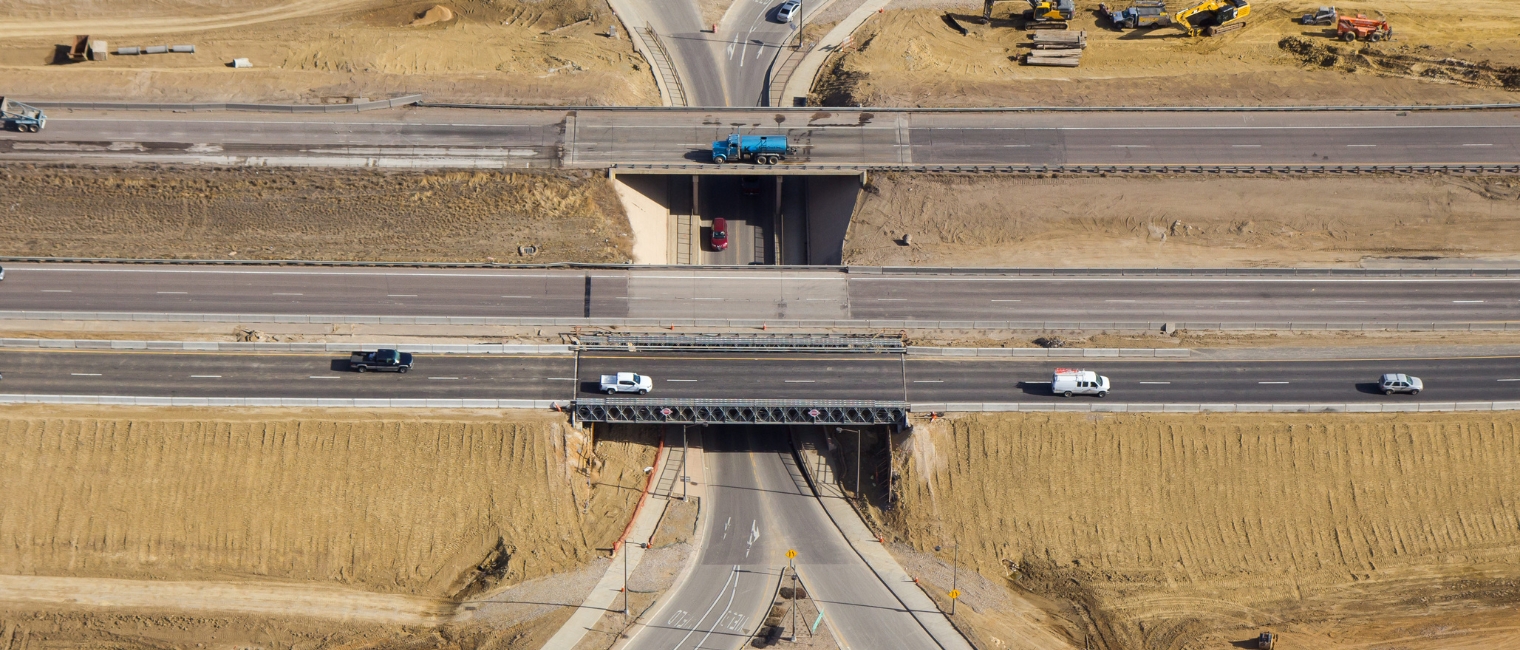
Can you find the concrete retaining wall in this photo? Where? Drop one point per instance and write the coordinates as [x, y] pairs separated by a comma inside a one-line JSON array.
[[344, 348], [1113, 407], [1049, 353]]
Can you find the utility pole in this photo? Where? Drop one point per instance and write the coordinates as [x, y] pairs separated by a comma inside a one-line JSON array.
[[684, 478], [625, 578], [955, 575]]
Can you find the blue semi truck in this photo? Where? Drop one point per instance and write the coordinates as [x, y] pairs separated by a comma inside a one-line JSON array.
[[760, 149]]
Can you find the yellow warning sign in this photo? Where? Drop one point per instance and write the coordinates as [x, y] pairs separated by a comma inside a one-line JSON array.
[[955, 594], [791, 554]]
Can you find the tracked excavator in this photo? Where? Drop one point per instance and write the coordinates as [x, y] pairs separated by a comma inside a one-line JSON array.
[[1213, 17], [1049, 14]]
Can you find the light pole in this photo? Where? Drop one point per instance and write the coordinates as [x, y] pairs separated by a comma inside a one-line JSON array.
[[857, 456], [684, 478], [625, 578]]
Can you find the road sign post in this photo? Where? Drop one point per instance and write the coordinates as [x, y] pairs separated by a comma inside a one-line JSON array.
[[791, 557], [955, 595]]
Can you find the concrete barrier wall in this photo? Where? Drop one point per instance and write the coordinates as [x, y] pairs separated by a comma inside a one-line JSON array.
[[757, 323], [340, 348], [1119, 407], [288, 402], [405, 100], [1050, 353]]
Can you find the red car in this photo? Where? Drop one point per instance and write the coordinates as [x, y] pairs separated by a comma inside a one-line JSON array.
[[720, 234]]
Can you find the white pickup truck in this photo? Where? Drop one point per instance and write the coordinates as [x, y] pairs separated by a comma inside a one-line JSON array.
[[1070, 381], [627, 382]]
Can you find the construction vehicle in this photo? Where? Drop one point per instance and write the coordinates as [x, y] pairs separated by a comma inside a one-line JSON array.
[[1141, 14], [1267, 641], [762, 149], [1049, 14], [24, 118], [1361, 27], [1213, 17], [1325, 16]]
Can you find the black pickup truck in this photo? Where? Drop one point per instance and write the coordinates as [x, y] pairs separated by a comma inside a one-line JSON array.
[[381, 360]]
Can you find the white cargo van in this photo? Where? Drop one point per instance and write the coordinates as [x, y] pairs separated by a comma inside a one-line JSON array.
[[1070, 381]]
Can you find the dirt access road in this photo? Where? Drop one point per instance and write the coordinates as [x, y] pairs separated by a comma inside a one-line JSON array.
[[327, 51], [909, 56]]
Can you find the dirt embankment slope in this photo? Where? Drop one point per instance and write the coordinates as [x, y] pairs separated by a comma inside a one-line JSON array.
[[1155, 532], [956, 220], [433, 506], [305, 51], [911, 57], [310, 214]]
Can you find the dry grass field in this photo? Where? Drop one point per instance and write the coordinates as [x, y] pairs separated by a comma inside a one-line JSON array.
[[310, 214], [911, 57], [312, 51], [1186, 531], [284, 510], [957, 220]]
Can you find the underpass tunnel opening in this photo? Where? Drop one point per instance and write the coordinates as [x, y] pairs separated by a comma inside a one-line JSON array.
[[739, 218], [862, 461]]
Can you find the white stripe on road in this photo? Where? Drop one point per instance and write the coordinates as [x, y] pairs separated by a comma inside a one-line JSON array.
[[687, 380], [205, 376], [928, 381], [1468, 302], [57, 291], [1001, 300], [1157, 383], [172, 293], [1271, 382], [323, 377], [288, 294], [561, 379], [798, 381], [85, 374], [401, 295], [443, 378]]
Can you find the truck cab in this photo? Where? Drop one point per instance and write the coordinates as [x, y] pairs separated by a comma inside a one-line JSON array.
[[384, 360], [1071, 381], [627, 382]]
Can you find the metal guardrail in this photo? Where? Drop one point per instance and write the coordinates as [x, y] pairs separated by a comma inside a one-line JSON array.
[[713, 411], [665, 67], [863, 270], [744, 343], [1077, 170], [405, 100], [1121, 407], [1003, 109]]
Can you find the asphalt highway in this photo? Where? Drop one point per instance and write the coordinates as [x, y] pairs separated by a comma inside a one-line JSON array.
[[732, 376], [602, 137], [759, 506], [775, 295]]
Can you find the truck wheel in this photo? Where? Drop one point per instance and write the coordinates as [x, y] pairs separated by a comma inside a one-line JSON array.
[[1374, 37], [360, 369], [1415, 392], [1102, 394], [403, 369], [1348, 36], [1066, 394], [611, 391], [1388, 391], [718, 160], [643, 391]]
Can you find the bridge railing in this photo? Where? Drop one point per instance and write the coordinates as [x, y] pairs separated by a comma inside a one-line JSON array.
[[714, 411], [743, 343]]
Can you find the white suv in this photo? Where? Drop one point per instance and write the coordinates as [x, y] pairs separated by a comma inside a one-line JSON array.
[[1400, 383]]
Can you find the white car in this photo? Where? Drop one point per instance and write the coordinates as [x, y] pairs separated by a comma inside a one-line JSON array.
[[2, 273], [1070, 381], [627, 382], [788, 10], [1400, 383]]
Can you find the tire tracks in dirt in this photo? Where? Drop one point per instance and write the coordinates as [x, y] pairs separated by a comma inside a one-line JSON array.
[[117, 27]]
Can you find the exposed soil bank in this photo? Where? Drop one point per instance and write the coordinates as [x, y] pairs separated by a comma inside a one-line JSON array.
[[211, 213], [911, 57], [328, 51], [1151, 531], [280, 511], [961, 220]]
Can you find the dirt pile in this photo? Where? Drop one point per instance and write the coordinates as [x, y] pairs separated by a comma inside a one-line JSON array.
[[959, 220], [437, 14], [305, 51], [256, 503], [1158, 532], [912, 57], [311, 214], [1401, 61]]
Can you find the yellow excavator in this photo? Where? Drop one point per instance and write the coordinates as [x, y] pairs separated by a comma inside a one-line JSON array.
[[1049, 14], [1213, 17]]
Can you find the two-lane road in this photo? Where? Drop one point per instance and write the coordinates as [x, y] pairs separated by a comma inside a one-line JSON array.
[[854, 137], [1338, 378], [817, 297]]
